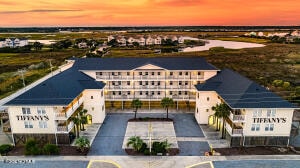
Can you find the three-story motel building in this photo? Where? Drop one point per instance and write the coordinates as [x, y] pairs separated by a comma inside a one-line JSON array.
[[99, 84]]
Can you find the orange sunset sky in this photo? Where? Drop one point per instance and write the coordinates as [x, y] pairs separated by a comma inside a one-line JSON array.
[[148, 12]]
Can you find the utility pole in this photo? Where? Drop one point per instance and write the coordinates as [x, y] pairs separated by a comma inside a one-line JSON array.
[[50, 67], [22, 75]]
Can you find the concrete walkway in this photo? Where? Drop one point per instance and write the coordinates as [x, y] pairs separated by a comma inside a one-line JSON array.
[[90, 132]]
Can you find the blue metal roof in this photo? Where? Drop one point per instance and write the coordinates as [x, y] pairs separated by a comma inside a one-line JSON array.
[[240, 92], [173, 63], [60, 89]]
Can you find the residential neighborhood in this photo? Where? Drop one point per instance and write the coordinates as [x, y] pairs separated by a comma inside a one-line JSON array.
[[13, 42], [143, 40]]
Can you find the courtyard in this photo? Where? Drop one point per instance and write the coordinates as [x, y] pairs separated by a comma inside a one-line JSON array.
[[110, 137]]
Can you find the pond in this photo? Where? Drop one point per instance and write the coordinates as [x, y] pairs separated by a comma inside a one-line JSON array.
[[220, 43], [46, 42]]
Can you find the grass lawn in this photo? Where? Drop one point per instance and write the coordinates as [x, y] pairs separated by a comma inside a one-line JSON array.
[[242, 39]]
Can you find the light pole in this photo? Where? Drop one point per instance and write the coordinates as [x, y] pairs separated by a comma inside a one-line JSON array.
[[22, 75]]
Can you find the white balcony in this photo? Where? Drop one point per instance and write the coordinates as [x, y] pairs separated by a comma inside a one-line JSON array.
[[64, 128], [150, 77], [69, 112], [235, 131], [236, 118], [119, 97]]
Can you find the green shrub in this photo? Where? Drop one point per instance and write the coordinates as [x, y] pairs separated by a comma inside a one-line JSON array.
[[277, 83], [50, 149], [146, 152], [31, 147], [158, 147], [5, 148], [143, 148]]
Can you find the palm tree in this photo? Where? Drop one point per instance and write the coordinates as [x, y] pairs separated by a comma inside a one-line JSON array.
[[167, 102], [136, 103], [136, 142], [222, 111], [82, 143], [83, 118], [76, 121]]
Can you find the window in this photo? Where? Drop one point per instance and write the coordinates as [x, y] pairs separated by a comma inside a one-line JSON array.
[[128, 82], [171, 83], [271, 113], [158, 73], [152, 93], [119, 73], [28, 124], [114, 93], [198, 95], [152, 73], [128, 93], [158, 83], [98, 73], [26, 110], [255, 127], [185, 92], [199, 73], [207, 110], [179, 83], [186, 83], [101, 93], [141, 83], [171, 73], [141, 93], [43, 124], [158, 93], [92, 97], [93, 108], [146, 82], [179, 92], [171, 92], [269, 127], [140, 73], [128, 73], [207, 98], [113, 83], [186, 73], [197, 110], [120, 93], [152, 83], [146, 73], [113, 73], [102, 107], [180, 73], [41, 110], [257, 113], [147, 93]]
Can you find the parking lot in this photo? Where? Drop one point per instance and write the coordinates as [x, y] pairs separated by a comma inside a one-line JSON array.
[[110, 136]]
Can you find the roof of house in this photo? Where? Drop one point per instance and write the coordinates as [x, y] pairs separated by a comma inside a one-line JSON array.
[[240, 92], [174, 63], [60, 89]]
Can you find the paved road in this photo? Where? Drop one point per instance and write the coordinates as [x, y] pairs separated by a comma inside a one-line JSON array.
[[192, 148], [287, 161], [109, 139], [46, 164], [257, 164]]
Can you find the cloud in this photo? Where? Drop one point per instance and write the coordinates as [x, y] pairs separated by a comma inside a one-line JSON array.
[[40, 11]]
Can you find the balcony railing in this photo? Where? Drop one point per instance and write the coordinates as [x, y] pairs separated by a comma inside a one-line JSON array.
[[65, 128], [235, 131], [237, 118], [69, 112]]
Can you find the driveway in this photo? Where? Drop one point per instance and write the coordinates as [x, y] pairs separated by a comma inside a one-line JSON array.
[[109, 139]]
